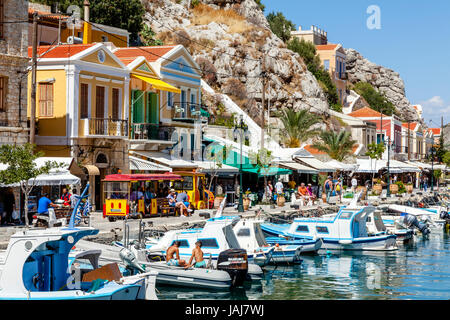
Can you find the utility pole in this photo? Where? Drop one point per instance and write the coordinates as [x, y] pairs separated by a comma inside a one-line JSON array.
[[33, 80], [409, 144]]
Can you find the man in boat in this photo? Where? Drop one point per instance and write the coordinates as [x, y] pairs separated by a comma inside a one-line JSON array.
[[174, 251], [197, 254]]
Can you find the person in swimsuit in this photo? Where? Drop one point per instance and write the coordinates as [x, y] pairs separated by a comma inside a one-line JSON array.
[[171, 252], [197, 254]]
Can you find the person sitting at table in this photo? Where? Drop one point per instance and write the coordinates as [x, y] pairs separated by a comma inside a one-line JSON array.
[[44, 205], [311, 193], [66, 197], [174, 203], [303, 192], [183, 202]]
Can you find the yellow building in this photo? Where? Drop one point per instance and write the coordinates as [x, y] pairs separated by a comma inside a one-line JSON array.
[[82, 109], [333, 59]]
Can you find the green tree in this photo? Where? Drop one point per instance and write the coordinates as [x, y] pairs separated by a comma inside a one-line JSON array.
[[260, 5], [148, 37], [440, 151], [281, 26], [307, 50], [22, 169], [297, 126], [375, 99], [375, 152], [337, 145], [446, 158], [124, 14]]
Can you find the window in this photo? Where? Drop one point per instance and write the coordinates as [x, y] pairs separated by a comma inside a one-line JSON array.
[[84, 101], [2, 14], [46, 99], [326, 64], [183, 243], [115, 103], [100, 102], [244, 232], [209, 243], [302, 229], [2, 93], [170, 99], [346, 215], [104, 39], [322, 229]]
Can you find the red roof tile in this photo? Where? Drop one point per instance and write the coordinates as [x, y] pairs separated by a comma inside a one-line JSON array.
[[61, 51], [412, 125], [326, 47], [436, 131], [366, 112], [150, 53], [312, 150], [46, 16]]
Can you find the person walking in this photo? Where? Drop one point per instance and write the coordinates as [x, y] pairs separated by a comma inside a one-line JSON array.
[[354, 184], [338, 189], [328, 187]]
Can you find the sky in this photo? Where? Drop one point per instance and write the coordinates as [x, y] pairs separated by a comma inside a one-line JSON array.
[[413, 39]]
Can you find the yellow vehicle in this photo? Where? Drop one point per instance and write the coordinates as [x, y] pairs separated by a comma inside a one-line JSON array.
[[135, 195], [194, 184]]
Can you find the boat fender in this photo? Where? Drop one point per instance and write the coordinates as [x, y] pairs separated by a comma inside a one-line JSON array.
[[345, 242]]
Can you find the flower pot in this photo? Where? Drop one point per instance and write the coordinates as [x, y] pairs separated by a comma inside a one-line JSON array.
[[394, 189], [246, 202], [218, 201], [280, 200], [409, 188], [377, 188]]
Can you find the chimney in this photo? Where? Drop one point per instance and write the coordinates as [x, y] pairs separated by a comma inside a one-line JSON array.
[[87, 30]]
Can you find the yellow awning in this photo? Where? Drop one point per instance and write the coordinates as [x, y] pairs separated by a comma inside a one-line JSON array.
[[157, 84]]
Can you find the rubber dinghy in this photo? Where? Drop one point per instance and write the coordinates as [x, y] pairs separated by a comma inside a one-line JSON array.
[[344, 231]]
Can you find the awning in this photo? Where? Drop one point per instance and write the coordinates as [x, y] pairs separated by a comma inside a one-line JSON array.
[[55, 179], [403, 166], [341, 166], [166, 160], [316, 164], [369, 165], [298, 167], [270, 171], [92, 170], [212, 167], [157, 84], [144, 165]]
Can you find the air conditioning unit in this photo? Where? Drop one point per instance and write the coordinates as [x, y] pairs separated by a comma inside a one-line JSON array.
[[74, 40]]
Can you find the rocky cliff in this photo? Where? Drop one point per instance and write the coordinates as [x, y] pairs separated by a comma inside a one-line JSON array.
[[382, 79], [229, 39]]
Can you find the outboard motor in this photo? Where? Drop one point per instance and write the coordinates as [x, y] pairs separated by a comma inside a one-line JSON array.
[[411, 220], [130, 260], [235, 262], [444, 215]]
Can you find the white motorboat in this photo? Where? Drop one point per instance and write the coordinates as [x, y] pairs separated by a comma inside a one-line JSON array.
[[376, 226]]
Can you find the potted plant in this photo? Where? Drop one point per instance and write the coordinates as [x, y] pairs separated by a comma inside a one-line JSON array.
[[246, 200], [378, 187], [409, 187]]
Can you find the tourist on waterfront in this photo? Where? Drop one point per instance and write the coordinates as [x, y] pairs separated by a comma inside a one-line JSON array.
[[425, 183], [303, 193], [197, 254], [311, 193], [44, 204], [338, 188], [328, 187], [269, 190], [66, 197], [172, 251], [182, 201], [292, 184]]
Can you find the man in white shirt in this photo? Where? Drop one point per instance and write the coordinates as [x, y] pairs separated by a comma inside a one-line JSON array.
[[279, 187], [354, 184]]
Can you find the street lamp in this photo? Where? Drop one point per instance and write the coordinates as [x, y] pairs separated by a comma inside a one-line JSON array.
[[433, 150], [388, 172], [240, 130]]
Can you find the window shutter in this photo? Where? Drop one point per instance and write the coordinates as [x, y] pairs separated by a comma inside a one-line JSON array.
[[115, 104], [84, 107]]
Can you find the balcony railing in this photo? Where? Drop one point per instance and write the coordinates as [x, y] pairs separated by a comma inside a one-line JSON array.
[[108, 127], [188, 111], [150, 131]]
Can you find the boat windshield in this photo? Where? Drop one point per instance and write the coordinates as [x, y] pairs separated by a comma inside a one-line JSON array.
[[259, 235], [231, 237]]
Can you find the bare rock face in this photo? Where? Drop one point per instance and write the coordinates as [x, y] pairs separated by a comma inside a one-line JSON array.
[[234, 36], [382, 79]]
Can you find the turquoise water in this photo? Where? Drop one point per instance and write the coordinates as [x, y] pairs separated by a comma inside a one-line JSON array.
[[420, 270]]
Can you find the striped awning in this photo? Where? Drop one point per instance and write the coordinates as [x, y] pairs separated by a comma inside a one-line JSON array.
[[137, 164]]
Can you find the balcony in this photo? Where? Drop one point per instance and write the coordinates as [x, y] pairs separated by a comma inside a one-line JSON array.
[[189, 112], [150, 131], [106, 127]]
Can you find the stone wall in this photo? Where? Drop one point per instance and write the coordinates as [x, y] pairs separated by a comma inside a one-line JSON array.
[[13, 65]]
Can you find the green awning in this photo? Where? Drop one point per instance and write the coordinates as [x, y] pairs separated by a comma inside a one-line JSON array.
[[270, 171]]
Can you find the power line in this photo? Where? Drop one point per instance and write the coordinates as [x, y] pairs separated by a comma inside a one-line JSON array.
[[167, 59]]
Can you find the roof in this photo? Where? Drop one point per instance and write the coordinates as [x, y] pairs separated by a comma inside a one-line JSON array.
[[436, 131], [312, 150], [46, 16], [412, 125], [151, 54], [326, 46], [143, 177], [61, 51], [366, 112], [144, 165]]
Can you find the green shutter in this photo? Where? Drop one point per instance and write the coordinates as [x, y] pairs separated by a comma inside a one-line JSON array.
[[138, 106], [153, 110]]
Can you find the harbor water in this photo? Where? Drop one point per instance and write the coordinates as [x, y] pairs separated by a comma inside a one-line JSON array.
[[419, 270]]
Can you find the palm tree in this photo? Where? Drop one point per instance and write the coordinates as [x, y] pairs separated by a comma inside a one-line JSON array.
[[297, 126], [337, 145]]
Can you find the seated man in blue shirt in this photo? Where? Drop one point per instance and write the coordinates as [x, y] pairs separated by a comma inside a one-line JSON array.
[[44, 204]]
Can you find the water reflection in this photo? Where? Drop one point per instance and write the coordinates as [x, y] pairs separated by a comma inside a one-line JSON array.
[[418, 270]]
